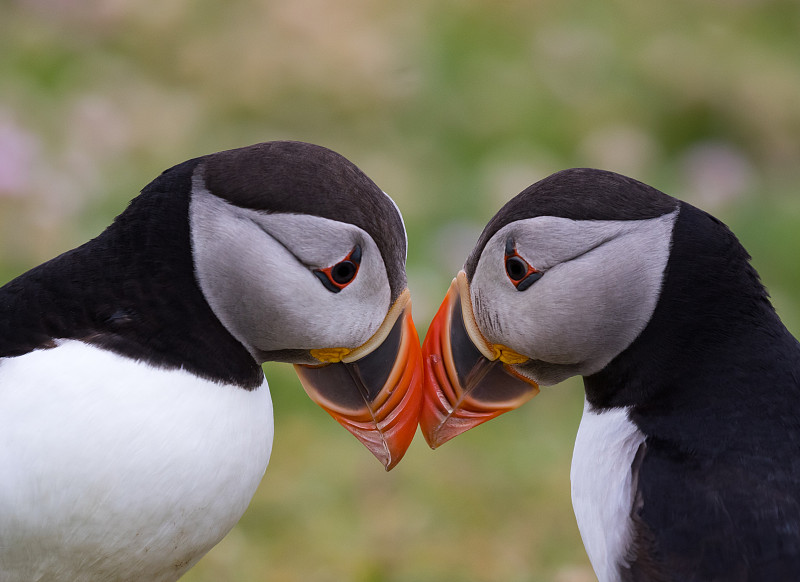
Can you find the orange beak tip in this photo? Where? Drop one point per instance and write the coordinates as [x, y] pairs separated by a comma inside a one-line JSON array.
[[388, 444], [383, 418], [449, 428]]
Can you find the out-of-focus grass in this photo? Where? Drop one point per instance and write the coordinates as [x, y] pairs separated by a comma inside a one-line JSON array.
[[452, 107]]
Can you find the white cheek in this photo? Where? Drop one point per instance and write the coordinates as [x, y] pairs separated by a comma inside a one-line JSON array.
[[584, 310], [317, 242], [303, 314], [266, 295], [547, 241]]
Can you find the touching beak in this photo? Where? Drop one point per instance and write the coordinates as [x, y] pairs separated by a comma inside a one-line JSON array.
[[467, 380], [375, 390]]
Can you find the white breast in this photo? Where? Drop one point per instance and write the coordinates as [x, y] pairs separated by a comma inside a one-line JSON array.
[[113, 470], [602, 486]]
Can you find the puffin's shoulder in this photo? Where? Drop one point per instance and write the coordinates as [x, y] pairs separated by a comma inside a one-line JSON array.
[[718, 477], [130, 290]]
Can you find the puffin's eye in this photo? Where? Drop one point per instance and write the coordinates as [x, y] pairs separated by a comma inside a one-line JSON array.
[[519, 271], [516, 268], [341, 274]]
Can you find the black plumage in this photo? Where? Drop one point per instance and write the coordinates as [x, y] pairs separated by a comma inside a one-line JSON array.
[[687, 462], [713, 383], [130, 290], [133, 289]]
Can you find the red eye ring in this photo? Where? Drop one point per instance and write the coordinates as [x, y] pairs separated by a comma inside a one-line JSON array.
[[519, 271], [338, 276]]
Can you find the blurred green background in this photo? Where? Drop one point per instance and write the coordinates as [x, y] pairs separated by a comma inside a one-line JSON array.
[[452, 107]]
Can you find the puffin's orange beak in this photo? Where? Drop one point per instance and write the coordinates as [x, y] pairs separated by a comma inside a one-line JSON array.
[[375, 390], [467, 380]]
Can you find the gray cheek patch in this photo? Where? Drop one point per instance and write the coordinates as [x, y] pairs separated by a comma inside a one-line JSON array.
[[547, 241], [255, 270], [302, 234], [601, 284]]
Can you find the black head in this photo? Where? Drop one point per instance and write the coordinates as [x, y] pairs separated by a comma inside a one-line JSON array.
[[302, 178], [577, 194]]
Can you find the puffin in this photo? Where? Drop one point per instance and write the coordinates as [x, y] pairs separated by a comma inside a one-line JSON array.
[[135, 419], [686, 464]]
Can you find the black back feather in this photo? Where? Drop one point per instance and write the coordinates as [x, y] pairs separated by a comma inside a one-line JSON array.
[[130, 290]]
